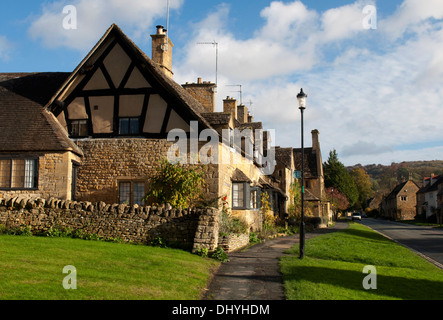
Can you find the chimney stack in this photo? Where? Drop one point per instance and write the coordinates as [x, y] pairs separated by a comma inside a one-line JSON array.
[[204, 92], [250, 118], [230, 105], [162, 50], [315, 142], [242, 113]]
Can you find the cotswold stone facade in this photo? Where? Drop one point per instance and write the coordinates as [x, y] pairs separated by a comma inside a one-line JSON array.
[[53, 174], [400, 204], [110, 161], [189, 229]]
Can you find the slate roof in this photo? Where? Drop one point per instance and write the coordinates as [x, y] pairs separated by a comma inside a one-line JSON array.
[[396, 190], [310, 162], [434, 187], [217, 118], [284, 156], [25, 125], [239, 176]]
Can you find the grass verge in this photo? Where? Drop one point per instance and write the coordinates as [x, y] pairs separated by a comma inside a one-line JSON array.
[[31, 268], [333, 269]]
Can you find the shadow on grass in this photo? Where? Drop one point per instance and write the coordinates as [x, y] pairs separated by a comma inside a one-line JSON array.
[[366, 234], [387, 286]]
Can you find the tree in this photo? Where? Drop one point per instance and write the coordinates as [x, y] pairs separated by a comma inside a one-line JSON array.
[[338, 177], [175, 184], [294, 208], [338, 200], [364, 186]]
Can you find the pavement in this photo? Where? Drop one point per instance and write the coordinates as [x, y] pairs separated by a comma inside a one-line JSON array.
[[254, 274]]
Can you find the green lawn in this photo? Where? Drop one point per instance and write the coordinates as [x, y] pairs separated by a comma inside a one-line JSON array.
[[32, 268], [333, 269]]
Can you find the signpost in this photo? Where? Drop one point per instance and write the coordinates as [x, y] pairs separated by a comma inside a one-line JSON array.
[[297, 174]]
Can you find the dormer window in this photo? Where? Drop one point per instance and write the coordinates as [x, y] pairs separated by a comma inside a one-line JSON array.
[[129, 126]]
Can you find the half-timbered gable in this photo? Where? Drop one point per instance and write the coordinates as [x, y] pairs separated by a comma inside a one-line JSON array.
[[117, 91]]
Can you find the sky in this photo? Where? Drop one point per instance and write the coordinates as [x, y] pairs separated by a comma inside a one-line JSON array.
[[372, 70]]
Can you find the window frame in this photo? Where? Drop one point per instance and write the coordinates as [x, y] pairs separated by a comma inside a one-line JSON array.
[[247, 191], [129, 132], [78, 122], [34, 174], [132, 184]]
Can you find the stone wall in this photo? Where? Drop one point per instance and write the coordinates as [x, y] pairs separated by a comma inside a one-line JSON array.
[[179, 228], [234, 242]]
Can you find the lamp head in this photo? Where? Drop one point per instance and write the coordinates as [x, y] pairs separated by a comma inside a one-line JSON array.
[[301, 97]]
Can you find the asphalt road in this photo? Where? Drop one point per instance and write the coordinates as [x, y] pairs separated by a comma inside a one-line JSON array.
[[425, 240]]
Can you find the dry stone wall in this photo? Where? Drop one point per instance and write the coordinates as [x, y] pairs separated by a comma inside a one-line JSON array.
[[187, 229]]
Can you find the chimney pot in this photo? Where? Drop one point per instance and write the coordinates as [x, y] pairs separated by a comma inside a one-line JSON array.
[[199, 80], [160, 29]]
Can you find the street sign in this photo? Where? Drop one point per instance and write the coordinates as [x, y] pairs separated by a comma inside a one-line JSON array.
[[297, 174]]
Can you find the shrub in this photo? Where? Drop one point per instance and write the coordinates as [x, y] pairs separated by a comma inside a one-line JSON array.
[[220, 255], [175, 184], [253, 238], [229, 225], [202, 252], [159, 242]]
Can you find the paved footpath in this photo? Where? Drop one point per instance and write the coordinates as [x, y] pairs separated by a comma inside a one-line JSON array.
[[254, 274]]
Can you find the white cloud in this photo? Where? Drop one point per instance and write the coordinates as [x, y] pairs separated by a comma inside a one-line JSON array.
[[411, 17], [5, 48], [343, 22], [93, 18], [371, 95]]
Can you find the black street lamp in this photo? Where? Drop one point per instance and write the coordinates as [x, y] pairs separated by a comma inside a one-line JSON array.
[[301, 97]]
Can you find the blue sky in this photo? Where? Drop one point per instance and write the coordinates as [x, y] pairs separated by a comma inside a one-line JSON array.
[[375, 95]]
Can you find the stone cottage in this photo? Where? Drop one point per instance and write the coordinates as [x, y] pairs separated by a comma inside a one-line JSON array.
[[429, 197], [36, 157], [400, 204], [98, 133]]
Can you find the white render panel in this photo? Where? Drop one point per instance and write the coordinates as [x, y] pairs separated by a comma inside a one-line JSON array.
[[117, 63], [155, 115], [131, 105], [77, 110], [102, 112], [137, 80]]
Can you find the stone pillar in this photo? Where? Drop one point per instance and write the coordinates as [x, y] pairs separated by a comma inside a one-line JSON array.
[[206, 235]]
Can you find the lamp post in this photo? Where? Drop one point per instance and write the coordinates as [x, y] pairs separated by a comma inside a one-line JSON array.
[[301, 97]]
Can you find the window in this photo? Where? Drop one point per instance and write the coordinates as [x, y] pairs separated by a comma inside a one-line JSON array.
[[131, 192], [403, 198], [79, 128], [244, 196], [238, 195], [129, 126], [254, 198], [18, 173]]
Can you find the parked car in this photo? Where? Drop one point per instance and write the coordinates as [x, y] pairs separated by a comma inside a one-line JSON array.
[[356, 216]]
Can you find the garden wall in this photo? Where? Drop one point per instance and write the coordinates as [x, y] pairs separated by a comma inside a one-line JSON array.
[[138, 224]]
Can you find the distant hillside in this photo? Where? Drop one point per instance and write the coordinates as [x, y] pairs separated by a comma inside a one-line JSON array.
[[385, 178]]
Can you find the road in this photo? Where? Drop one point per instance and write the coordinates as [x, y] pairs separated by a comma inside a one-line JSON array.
[[425, 240]]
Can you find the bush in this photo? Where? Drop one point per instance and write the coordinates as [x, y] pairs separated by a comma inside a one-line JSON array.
[[202, 252], [220, 255], [253, 238], [229, 225], [159, 242]]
